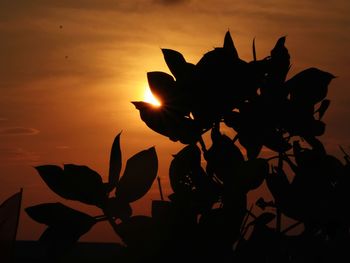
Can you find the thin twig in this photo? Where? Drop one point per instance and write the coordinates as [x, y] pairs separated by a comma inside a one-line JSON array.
[[160, 189], [291, 227]]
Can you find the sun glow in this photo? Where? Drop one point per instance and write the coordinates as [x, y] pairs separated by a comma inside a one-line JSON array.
[[148, 97]]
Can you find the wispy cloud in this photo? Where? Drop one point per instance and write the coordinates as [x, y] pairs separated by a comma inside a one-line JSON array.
[[18, 131], [15, 155]]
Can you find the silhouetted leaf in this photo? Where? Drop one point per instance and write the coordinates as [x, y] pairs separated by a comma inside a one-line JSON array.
[[278, 68], [185, 169], [309, 86], [115, 163], [75, 182], [323, 108], [57, 214], [87, 184], [254, 173], [140, 172], [168, 123], [177, 63], [162, 86], [229, 46]]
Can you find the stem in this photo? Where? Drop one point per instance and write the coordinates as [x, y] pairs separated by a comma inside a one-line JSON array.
[[160, 189], [204, 148], [278, 211], [291, 227], [245, 220], [100, 218], [111, 222]]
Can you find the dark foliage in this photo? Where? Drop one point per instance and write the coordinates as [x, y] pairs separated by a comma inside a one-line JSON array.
[[206, 217]]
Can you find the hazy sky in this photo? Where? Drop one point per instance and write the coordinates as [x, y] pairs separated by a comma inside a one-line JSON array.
[[69, 69]]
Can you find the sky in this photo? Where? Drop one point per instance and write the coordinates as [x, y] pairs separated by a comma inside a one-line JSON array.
[[69, 70]]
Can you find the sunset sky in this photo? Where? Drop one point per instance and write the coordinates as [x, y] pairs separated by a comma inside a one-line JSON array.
[[69, 70]]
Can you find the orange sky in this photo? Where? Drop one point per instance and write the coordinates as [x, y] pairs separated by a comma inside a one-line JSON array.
[[69, 69]]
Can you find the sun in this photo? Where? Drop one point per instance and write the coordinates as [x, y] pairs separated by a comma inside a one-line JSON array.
[[148, 97]]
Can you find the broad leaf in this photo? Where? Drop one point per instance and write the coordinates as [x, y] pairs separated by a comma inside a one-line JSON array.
[[115, 163], [87, 184], [168, 123], [162, 86], [309, 86], [74, 182], [177, 63], [138, 177], [57, 214]]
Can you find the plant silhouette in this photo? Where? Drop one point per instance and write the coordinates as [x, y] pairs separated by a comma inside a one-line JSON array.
[[206, 218], [80, 183]]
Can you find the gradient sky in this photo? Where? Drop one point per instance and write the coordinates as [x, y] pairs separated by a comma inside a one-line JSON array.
[[69, 69]]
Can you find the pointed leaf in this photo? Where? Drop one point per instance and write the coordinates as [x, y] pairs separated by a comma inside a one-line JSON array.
[[279, 65], [74, 182], [57, 214], [115, 163], [323, 108], [254, 51], [162, 86], [309, 86], [168, 123], [229, 46], [139, 174], [177, 63], [87, 184]]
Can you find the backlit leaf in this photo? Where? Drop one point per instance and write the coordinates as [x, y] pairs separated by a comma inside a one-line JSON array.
[[115, 162], [177, 63], [140, 172], [168, 123], [162, 86]]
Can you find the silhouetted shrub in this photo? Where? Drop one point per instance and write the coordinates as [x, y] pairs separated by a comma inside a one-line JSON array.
[[206, 217]]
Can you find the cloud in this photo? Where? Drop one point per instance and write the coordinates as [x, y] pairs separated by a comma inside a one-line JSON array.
[[15, 155], [18, 131]]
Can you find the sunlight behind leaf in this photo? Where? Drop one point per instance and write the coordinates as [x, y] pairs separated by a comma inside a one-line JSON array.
[[148, 97]]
